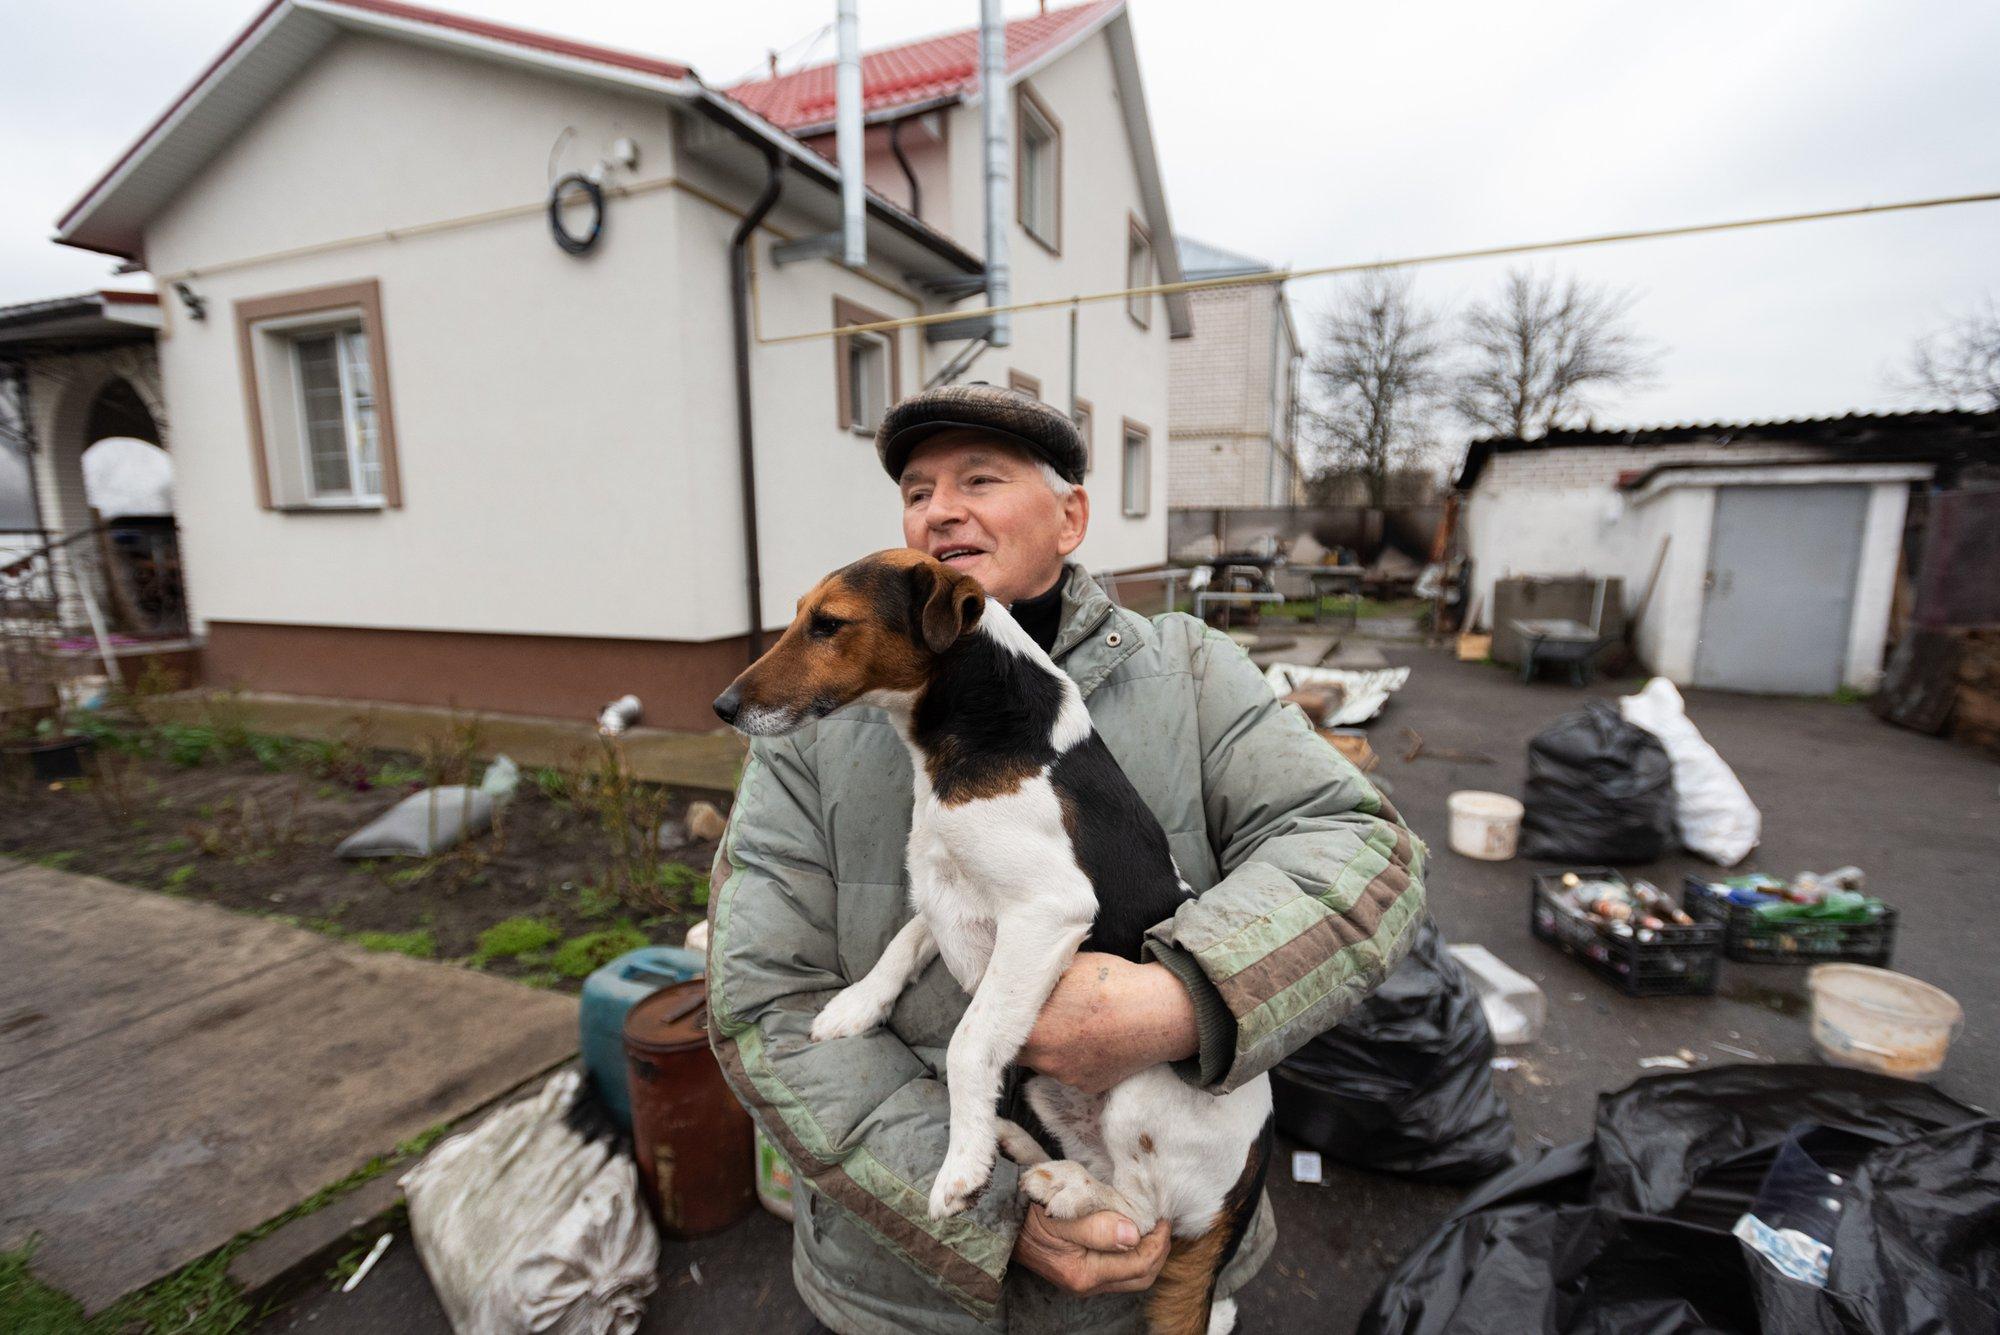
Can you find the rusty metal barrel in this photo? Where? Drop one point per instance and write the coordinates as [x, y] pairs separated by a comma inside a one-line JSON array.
[[691, 1137]]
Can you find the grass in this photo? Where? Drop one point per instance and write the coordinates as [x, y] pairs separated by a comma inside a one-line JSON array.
[[515, 937], [418, 944], [1301, 609], [580, 956], [198, 1299]]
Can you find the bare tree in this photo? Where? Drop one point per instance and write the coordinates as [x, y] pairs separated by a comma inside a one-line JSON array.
[[1541, 352], [1959, 365], [1379, 376]]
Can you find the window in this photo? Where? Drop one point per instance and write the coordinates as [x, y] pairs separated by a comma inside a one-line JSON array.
[[866, 369], [1027, 384], [1081, 413], [1139, 273], [316, 384], [1038, 151], [1137, 478], [337, 416]]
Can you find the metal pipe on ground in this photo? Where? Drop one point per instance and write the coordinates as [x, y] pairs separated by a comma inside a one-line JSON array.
[[739, 317]]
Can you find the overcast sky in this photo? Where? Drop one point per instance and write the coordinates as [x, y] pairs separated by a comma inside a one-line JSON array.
[[1317, 133]]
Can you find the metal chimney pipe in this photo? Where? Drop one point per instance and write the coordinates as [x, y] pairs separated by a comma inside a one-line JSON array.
[[847, 134], [999, 165]]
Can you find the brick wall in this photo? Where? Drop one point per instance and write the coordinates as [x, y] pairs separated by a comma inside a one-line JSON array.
[[1220, 400]]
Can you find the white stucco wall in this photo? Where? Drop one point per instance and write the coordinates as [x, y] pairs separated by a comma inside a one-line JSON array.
[[566, 428], [1121, 368], [1559, 512]]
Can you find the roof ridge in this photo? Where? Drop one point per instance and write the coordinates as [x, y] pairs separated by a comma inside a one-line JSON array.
[[945, 35]]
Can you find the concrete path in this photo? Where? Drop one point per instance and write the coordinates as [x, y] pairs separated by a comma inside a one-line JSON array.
[[176, 1074]]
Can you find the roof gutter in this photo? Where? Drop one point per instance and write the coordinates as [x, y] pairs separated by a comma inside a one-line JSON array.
[[739, 318]]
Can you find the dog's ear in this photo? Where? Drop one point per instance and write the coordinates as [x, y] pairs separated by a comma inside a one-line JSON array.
[[948, 604]]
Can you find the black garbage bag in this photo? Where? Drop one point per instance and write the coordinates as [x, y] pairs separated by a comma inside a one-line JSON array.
[[1405, 1084], [1629, 1233], [1600, 790]]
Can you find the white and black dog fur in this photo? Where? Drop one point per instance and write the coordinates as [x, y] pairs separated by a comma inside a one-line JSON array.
[[1027, 844]]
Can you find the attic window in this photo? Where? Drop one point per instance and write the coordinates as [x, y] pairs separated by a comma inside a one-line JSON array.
[[1139, 273], [315, 380], [1039, 151]]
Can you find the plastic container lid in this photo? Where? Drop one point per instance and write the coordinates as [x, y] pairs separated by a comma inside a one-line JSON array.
[[673, 1019]]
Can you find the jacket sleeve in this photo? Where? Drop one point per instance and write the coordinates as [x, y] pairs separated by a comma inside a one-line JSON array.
[[1321, 891], [865, 1120]]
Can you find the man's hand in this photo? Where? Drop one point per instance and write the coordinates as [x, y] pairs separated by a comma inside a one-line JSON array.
[[1109, 1018], [1099, 1253]]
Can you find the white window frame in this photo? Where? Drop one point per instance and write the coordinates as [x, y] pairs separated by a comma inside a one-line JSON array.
[[865, 409], [1041, 152], [1140, 505], [350, 416], [1139, 257]]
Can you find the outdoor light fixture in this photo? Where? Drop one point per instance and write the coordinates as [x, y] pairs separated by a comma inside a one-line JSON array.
[[197, 307]]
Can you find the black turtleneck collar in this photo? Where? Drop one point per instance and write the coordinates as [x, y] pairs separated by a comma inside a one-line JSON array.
[[1041, 615]]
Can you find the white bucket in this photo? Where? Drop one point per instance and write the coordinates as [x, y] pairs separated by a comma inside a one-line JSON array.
[[1879, 1020], [1484, 825]]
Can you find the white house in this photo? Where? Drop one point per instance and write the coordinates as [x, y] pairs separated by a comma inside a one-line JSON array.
[[425, 453], [1232, 402], [1758, 557]]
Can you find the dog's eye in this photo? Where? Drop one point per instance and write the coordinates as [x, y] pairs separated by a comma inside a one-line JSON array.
[[824, 627]]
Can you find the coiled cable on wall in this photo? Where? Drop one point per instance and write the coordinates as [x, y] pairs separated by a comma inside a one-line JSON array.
[[571, 242]]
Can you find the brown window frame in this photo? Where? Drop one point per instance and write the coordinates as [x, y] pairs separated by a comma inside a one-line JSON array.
[[1128, 430], [1024, 94], [1025, 383], [364, 295], [1086, 428], [847, 312], [1140, 308]]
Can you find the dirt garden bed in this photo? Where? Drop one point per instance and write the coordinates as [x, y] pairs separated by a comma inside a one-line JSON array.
[[569, 875]]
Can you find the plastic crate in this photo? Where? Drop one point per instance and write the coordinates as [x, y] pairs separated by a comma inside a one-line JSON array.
[[1678, 962], [1750, 939]]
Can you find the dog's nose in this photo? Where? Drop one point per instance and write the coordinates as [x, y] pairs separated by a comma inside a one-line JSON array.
[[729, 704]]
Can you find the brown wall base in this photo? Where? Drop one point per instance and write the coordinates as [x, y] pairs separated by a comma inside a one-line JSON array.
[[551, 676]]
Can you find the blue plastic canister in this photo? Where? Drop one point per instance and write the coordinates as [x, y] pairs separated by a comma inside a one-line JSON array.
[[607, 995]]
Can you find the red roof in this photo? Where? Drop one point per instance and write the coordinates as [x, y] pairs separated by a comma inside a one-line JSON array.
[[925, 71]]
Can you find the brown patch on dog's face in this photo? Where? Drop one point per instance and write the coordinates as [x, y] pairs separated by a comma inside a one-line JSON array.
[[875, 626], [1145, 1142]]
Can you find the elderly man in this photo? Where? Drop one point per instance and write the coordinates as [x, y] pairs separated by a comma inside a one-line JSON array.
[[1308, 893]]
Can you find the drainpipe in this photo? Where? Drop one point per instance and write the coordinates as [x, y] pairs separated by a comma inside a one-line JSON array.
[[999, 165], [848, 140], [739, 313], [909, 173]]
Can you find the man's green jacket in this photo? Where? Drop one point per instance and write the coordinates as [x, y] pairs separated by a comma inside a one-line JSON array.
[[1309, 889]]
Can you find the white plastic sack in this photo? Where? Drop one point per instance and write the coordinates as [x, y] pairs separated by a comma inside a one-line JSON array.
[[1713, 814], [422, 824], [1363, 692], [524, 1225]]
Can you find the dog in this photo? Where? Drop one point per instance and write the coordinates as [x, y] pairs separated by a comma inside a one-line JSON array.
[[1027, 844]]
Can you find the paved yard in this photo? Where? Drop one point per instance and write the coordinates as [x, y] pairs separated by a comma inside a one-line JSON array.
[[1836, 786], [176, 1074]]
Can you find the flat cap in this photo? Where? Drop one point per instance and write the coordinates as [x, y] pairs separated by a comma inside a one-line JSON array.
[[1009, 414]]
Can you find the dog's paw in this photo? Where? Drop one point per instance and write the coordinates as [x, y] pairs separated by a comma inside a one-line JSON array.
[[1065, 1189], [961, 1179], [855, 1011]]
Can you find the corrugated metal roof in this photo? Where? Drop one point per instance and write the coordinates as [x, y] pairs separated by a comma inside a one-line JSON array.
[[1201, 260], [1941, 434], [914, 73]]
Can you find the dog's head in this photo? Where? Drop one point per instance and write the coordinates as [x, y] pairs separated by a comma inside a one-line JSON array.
[[874, 629]]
